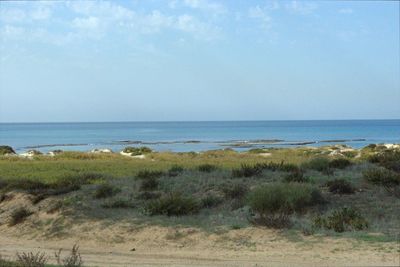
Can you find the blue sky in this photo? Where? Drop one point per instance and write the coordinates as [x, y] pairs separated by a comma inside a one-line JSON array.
[[198, 60]]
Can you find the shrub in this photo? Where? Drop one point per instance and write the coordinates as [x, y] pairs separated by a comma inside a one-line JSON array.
[[175, 170], [389, 159], [211, 200], [282, 166], [19, 215], [340, 186], [173, 204], [149, 184], [32, 260], [296, 177], [274, 203], [4, 150], [235, 190], [246, 170], [339, 163], [74, 259], [105, 190], [381, 176], [146, 195], [28, 185], [206, 168], [117, 204], [145, 174], [135, 151], [318, 164], [346, 219]]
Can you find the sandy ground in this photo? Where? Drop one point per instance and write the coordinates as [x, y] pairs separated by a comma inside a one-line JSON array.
[[126, 244]]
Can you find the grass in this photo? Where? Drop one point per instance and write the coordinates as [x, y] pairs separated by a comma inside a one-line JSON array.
[[209, 200]]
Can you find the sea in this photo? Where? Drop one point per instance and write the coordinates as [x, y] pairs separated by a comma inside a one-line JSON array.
[[196, 136]]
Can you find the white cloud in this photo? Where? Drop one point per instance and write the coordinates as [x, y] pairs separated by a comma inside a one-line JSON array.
[[261, 15], [198, 29], [215, 8], [345, 11], [302, 8], [90, 23], [12, 15]]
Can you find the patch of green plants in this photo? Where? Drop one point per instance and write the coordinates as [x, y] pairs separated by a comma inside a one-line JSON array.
[[146, 174], [149, 184], [211, 200], [4, 150], [118, 204], [105, 190], [172, 204], [339, 163], [147, 195], [29, 259], [175, 170], [296, 177], [319, 164], [234, 190], [274, 203], [247, 170], [345, 219], [19, 215], [206, 168], [135, 151], [340, 186], [381, 176], [389, 159]]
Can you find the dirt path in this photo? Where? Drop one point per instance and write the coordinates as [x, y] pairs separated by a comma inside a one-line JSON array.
[[277, 253]]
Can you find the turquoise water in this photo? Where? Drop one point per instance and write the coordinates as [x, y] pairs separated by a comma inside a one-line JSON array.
[[196, 136]]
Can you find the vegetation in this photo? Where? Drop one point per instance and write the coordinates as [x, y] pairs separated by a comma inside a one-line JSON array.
[[345, 219], [382, 176], [340, 186], [19, 215], [73, 259], [4, 150], [207, 167], [175, 170], [296, 177], [31, 260], [147, 174], [135, 151], [149, 184], [339, 163], [105, 190], [273, 203], [173, 204]]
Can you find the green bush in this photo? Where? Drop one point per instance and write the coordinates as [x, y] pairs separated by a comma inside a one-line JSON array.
[[118, 204], [382, 176], [282, 166], [146, 195], [4, 150], [19, 215], [146, 174], [345, 219], [273, 203], [339, 163], [173, 204], [105, 191], [135, 151], [246, 170], [175, 170], [389, 159], [234, 190], [296, 177], [318, 164], [340, 186], [149, 184], [207, 168], [211, 200]]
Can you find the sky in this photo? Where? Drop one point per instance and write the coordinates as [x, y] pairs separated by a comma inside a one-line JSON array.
[[190, 60]]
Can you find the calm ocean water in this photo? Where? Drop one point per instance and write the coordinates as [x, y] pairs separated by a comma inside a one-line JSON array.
[[196, 136]]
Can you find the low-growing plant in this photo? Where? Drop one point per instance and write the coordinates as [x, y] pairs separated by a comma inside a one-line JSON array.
[[389, 159], [32, 260], [19, 215], [4, 150], [105, 190], [296, 177], [211, 200], [74, 259], [345, 219], [274, 203], [146, 195], [339, 163], [207, 168], [382, 176], [118, 204], [173, 204], [247, 170], [149, 184], [175, 170], [234, 190], [319, 164], [146, 174], [340, 186], [135, 151]]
